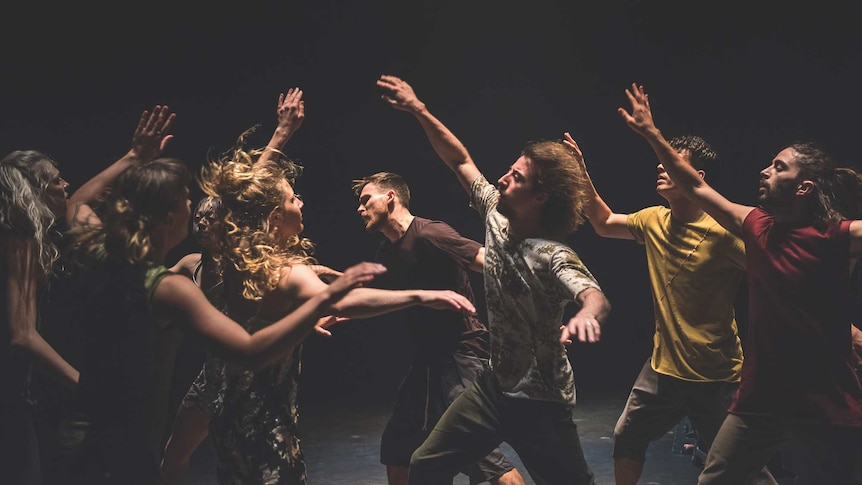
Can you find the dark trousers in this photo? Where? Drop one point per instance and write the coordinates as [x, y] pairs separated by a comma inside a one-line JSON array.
[[543, 434]]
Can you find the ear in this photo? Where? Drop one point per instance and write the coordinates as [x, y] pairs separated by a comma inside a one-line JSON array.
[[541, 197], [702, 174], [274, 216], [805, 187], [390, 196]]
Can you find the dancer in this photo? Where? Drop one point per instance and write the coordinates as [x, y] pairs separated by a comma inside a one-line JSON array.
[[798, 378], [695, 269], [450, 349], [35, 212], [526, 396]]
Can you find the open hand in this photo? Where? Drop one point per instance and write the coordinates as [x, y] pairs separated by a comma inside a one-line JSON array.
[[398, 94], [640, 120], [290, 110], [151, 135]]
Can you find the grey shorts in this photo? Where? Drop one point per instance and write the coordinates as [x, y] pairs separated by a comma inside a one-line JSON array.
[[658, 402]]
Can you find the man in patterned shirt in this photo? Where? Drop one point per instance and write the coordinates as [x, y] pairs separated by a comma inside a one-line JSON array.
[[526, 396]]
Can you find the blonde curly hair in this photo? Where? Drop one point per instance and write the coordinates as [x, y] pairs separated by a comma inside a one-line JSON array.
[[249, 191]]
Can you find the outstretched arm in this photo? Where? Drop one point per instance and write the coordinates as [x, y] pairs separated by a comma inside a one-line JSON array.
[[400, 96], [370, 302], [148, 141], [587, 322], [177, 295], [730, 215], [291, 113], [606, 222]]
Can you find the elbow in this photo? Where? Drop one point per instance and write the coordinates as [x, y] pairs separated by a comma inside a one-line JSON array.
[[21, 342]]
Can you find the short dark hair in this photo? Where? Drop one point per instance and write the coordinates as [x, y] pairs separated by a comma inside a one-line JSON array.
[[388, 181], [701, 155]]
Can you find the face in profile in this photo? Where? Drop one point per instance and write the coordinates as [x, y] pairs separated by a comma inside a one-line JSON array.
[[287, 217], [778, 181], [373, 206], [55, 192], [516, 188]]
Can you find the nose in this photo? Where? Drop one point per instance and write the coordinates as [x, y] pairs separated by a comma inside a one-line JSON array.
[[63, 183], [764, 173], [660, 168]]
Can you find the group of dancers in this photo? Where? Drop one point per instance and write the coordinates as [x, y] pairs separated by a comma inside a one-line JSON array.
[[94, 263]]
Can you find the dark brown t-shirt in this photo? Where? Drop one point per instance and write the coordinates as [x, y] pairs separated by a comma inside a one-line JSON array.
[[433, 256]]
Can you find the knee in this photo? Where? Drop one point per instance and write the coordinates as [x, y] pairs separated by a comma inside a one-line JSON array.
[[627, 447]]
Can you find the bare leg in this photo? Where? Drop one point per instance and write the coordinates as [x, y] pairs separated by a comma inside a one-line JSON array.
[[511, 477], [627, 471], [397, 475], [190, 429]]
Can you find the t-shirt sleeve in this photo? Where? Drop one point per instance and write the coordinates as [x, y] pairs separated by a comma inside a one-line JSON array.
[[737, 251], [443, 237], [572, 273], [637, 221], [483, 196]]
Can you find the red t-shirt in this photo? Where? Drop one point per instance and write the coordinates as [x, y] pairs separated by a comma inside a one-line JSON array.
[[798, 354]]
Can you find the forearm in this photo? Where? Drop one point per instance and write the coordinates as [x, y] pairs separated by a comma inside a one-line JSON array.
[[680, 171], [93, 188], [371, 302], [447, 146], [594, 305], [50, 362], [856, 337], [276, 144]]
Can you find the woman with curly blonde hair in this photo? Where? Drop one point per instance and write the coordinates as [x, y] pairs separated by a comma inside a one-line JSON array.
[[268, 271]]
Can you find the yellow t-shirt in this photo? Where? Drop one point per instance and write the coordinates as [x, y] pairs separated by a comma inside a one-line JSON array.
[[695, 271]]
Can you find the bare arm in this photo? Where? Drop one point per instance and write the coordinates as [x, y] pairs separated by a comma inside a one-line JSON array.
[[856, 338], [606, 222], [587, 322], [478, 264], [730, 215], [186, 265], [400, 96], [22, 283], [291, 113], [370, 302], [148, 141], [856, 238], [179, 296]]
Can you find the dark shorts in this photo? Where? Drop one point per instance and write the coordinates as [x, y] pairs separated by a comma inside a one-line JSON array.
[[424, 394]]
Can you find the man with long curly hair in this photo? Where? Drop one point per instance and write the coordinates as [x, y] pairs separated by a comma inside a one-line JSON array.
[[527, 394]]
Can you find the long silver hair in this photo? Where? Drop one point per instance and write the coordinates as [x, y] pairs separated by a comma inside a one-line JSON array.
[[24, 212]]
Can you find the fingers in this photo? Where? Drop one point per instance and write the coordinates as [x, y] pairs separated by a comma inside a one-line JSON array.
[[572, 145], [592, 331]]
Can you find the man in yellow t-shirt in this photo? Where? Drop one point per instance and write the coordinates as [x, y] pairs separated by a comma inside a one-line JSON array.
[[695, 268]]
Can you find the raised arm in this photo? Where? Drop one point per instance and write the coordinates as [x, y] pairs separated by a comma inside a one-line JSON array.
[[148, 141], [177, 295], [730, 215], [290, 111], [606, 222], [400, 96], [22, 275]]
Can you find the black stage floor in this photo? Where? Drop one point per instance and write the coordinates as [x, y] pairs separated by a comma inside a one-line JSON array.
[[341, 446]]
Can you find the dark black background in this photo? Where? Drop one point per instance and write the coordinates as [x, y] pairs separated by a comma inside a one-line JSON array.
[[750, 77]]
